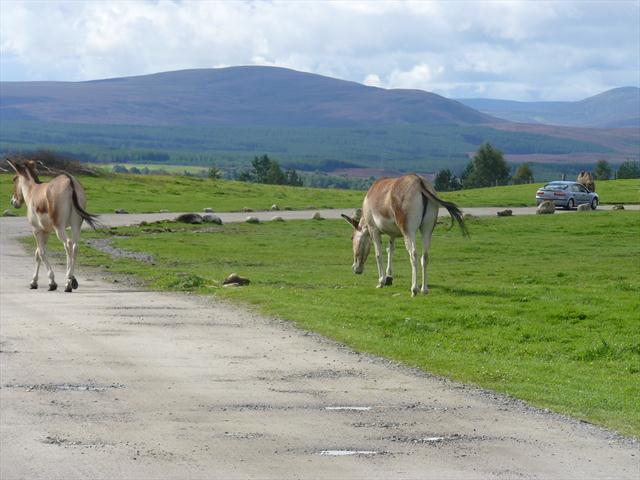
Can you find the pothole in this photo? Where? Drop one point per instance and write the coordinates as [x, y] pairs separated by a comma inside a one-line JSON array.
[[349, 409], [345, 453], [60, 387]]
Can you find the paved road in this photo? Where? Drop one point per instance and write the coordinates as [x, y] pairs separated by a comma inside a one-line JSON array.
[[114, 381]]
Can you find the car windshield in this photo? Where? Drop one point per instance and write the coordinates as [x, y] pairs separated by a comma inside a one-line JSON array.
[[556, 186]]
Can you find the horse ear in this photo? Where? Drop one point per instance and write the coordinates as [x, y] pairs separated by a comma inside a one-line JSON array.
[[351, 221], [13, 166]]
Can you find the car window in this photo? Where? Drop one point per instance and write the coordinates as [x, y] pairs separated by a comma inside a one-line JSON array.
[[556, 186], [575, 188], [584, 189]]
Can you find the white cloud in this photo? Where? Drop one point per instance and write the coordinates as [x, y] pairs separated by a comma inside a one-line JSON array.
[[524, 49]]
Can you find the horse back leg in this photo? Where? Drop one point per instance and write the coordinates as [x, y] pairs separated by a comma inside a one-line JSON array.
[[41, 241], [410, 244], [426, 230], [68, 249], [75, 240]]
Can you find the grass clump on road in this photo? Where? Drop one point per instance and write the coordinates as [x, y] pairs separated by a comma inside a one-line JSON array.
[[542, 308]]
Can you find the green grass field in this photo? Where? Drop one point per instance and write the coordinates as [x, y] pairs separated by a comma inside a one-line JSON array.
[[542, 308], [151, 193], [611, 191]]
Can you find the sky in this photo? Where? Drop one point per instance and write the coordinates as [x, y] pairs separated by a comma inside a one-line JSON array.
[[519, 50]]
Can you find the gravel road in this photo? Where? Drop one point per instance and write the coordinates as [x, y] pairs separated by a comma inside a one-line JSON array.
[[114, 381]]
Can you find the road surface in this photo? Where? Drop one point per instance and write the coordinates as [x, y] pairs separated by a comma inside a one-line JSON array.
[[115, 381]]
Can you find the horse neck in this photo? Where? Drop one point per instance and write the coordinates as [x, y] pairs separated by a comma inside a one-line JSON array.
[[27, 185]]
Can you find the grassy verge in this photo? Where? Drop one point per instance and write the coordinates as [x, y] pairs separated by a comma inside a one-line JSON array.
[[611, 191], [151, 193], [543, 308]]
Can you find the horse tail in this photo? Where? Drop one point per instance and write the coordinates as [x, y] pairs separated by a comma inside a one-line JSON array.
[[452, 208], [90, 218]]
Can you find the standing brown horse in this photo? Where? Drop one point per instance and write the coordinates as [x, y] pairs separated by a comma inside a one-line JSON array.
[[399, 207], [51, 206]]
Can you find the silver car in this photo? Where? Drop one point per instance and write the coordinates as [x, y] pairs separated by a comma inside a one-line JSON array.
[[567, 194]]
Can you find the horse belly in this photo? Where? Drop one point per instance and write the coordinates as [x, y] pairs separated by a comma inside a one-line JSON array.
[[388, 226]]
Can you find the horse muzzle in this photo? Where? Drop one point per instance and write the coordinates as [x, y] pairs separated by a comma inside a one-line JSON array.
[[15, 203], [358, 269]]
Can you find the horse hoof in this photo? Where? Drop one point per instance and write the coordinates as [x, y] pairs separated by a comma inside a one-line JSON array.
[[425, 292], [53, 286], [68, 289], [33, 285], [414, 292], [74, 283], [388, 281], [380, 285]]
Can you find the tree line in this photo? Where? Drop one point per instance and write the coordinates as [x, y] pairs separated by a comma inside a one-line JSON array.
[[488, 168]]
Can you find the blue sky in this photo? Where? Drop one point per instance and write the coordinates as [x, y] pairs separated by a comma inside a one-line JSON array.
[[519, 50]]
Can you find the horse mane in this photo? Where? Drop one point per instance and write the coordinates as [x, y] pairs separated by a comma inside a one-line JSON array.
[[30, 166]]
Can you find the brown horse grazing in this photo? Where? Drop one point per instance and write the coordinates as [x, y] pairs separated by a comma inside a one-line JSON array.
[[586, 179], [399, 207], [55, 205]]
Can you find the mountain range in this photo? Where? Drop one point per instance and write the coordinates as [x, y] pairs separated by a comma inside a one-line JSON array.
[[619, 107], [236, 96], [228, 115]]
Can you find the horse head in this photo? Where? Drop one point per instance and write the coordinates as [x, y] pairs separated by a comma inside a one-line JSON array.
[[361, 241]]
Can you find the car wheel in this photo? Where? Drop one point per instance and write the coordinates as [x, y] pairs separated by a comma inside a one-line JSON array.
[[570, 204], [594, 204]]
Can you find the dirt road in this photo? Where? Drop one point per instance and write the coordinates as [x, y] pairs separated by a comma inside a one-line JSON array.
[[119, 382]]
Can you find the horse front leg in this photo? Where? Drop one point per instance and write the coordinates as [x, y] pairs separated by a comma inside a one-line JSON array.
[[410, 244], [388, 280], [377, 246]]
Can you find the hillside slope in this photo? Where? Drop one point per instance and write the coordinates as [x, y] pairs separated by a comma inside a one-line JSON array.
[[615, 108], [236, 96]]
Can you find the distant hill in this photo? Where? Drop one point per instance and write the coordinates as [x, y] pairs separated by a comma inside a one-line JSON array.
[[309, 122], [236, 96], [615, 108]]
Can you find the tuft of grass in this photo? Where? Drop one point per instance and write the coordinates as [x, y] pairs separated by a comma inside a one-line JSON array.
[[543, 308]]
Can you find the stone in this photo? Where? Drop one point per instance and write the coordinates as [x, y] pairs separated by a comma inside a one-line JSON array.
[[252, 219], [164, 210], [247, 210], [317, 216], [8, 213], [584, 207], [546, 207], [193, 218], [277, 218], [505, 213], [275, 207], [209, 218], [208, 210], [235, 280], [618, 207], [120, 210]]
